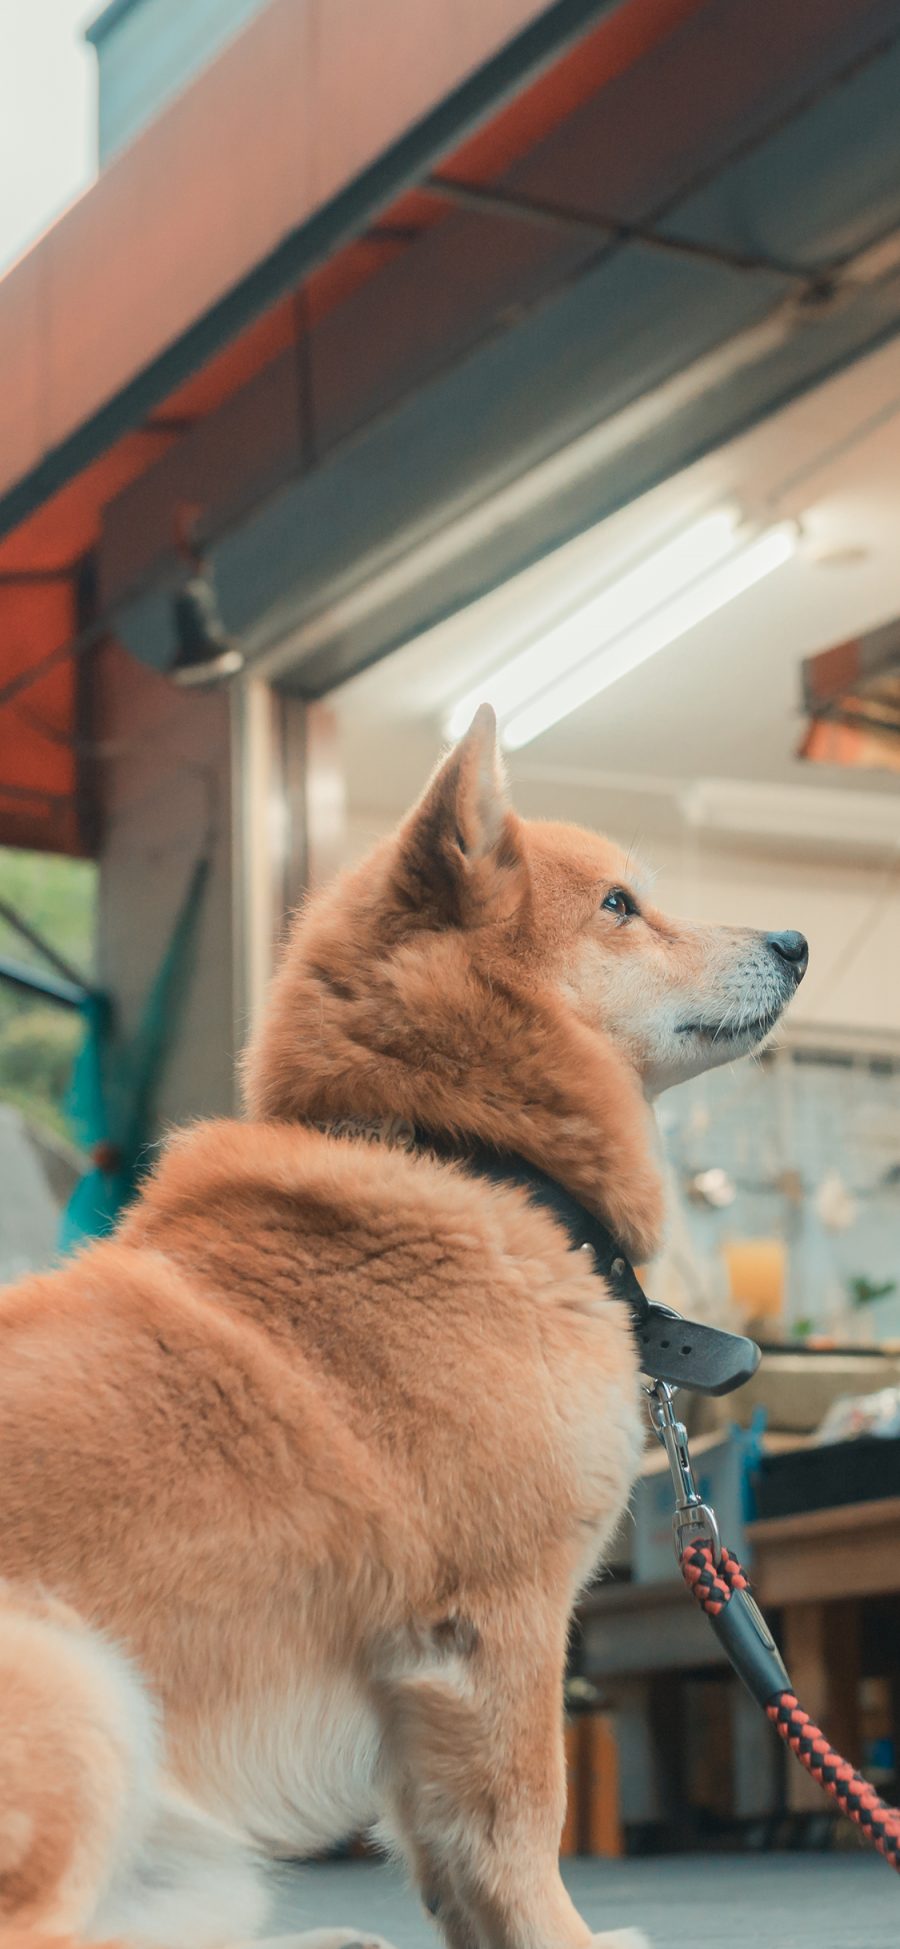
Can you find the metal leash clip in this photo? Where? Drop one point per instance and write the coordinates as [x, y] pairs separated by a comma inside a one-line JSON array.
[[693, 1520], [734, 1615]]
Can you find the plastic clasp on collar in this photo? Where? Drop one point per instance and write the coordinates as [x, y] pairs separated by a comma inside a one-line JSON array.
[[693, 1521]]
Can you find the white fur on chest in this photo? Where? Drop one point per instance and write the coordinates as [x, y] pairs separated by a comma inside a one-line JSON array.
[[297, 1773]]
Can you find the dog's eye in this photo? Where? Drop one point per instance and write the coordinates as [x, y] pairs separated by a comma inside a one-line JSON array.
[[619, 902]]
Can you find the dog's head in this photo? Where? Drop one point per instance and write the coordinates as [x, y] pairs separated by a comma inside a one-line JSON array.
[[490, 976]]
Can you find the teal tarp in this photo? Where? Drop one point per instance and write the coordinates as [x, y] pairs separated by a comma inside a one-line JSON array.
[[111, 1097]]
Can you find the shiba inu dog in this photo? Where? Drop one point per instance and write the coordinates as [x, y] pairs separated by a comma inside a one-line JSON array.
[[301, 1472]]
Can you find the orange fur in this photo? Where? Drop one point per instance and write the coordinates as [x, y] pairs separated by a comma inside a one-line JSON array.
[[320, 1447]]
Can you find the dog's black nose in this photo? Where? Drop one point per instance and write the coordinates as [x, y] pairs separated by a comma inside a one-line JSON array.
[[792, 948]]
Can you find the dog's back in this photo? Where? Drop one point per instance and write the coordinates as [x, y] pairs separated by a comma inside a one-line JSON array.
[[313, 1456]]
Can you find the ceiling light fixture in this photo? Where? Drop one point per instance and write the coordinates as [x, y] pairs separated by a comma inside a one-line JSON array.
[[667, 621], [613, 610]]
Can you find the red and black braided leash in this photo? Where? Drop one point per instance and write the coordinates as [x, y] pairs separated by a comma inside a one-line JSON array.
[[723, 1591]]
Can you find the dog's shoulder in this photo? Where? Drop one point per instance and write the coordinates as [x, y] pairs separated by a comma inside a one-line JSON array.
[[338, 1204]]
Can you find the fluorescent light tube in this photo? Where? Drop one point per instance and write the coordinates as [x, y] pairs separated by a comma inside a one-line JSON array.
[[613, 610], [653, 633]]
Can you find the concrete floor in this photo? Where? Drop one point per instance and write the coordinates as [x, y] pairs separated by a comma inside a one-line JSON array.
[[728, 1902]]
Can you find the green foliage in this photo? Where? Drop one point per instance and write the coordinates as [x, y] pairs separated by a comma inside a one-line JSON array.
[[37, 1049], [57, 897], [38, 1041], [39, 1112], [864, 1291]]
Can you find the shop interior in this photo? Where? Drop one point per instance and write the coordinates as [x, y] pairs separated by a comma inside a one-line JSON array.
[[686, 740]]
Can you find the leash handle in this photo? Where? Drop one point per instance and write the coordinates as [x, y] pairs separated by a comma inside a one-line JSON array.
[[734, 1615], [721, 1588], [723, 1592], [715, 1578]]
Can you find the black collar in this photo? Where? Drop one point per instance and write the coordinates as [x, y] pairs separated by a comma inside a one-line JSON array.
[[583, 1229], [686, 1353]]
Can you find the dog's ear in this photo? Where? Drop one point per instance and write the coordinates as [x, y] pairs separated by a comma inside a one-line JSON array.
[[459, 859]]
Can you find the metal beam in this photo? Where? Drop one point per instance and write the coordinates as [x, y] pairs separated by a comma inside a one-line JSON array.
[[260, 840], [32, 981], [87, 639], [28, 793], [69, 975], [491, 200], [37, 578], [336, 223]]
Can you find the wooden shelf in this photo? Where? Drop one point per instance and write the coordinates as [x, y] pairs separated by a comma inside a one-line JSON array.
[[853, 1551]]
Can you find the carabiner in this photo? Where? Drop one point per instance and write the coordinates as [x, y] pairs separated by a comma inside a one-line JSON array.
[[693, 1521]]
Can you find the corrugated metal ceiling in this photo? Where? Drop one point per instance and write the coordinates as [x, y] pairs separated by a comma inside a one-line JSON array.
[[657, 243]]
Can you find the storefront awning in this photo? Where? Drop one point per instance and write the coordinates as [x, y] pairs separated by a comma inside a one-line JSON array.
[[375, 265], [174, 280]]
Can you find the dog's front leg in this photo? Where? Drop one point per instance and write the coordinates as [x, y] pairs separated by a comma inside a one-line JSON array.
[[474, 1746]]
